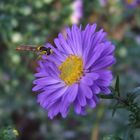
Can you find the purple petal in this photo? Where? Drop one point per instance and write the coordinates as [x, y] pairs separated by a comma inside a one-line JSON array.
[[46, 81], [85, 90], [87, 35], [37, 87], [64, 44], [95, 56], [54, 59], [77, 42], [83, 111], [91, 103], [64, 108], [105, 90], [40, 74], [87, 81], [92, 75], [98, 37], [77, 107], [109, 49], [104, 62], [95, 88], [61, 55], [52, 98], [105, 74], [72, 92], [103, 82], [81, 99], [55, 86]]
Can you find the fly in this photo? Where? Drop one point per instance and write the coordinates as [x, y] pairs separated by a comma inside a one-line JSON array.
[[38, 49]]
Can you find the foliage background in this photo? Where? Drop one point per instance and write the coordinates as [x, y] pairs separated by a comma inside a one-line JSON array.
[[35, 22]]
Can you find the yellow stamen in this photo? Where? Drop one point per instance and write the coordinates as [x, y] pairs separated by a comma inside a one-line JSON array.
[[71, 69]]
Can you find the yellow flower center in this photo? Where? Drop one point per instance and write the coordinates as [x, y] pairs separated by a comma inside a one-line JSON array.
[[71, 69]]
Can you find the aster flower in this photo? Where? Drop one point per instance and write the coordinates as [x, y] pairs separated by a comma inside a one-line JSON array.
[[76, 71], [103, 3], [131, 3], [77, 13]]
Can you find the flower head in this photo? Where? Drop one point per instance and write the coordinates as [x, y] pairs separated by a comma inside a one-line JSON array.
[[103, 3], [76, 71], [131, 3]]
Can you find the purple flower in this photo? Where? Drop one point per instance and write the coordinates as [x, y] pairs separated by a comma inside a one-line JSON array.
[[77, 14], [103, 3], [76, 71], [131, 3]]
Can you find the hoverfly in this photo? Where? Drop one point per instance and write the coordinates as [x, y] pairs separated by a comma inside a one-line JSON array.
[[38, 49]]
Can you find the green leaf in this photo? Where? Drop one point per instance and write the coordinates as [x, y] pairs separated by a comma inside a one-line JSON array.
[[114, 109], [117, 85], [136, 90]]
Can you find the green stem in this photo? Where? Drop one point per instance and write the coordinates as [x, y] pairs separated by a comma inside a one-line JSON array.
[[112, 96], [132, 107]]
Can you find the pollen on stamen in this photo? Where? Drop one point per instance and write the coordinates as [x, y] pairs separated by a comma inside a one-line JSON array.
[[71, 69]]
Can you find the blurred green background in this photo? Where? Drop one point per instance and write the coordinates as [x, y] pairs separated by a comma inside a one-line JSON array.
[[38, 21]]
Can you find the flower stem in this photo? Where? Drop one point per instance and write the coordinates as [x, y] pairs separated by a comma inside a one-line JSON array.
[[112, 96], [129, 105]]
